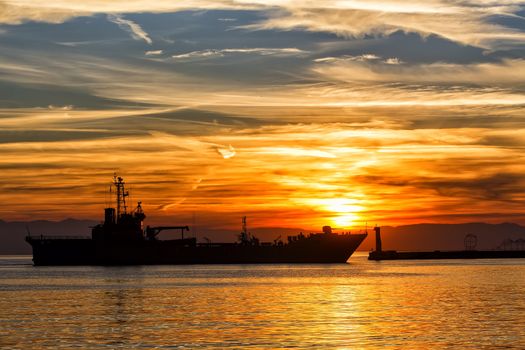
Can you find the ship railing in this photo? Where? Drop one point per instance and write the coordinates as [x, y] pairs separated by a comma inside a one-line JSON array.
[[44, 237], [216, 244]]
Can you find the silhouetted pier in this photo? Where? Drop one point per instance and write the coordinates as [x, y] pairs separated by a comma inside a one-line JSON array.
[[469, 252]]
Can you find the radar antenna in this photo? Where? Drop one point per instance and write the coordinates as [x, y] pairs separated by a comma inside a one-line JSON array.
[[121, 195]]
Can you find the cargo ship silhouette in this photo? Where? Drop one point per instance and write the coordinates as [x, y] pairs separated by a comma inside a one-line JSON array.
[[122, 240]]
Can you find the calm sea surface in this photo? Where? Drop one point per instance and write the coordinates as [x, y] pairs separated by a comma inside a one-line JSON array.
[[360, 305]]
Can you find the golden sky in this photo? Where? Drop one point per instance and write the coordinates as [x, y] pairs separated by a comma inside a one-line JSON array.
[[294, 113]]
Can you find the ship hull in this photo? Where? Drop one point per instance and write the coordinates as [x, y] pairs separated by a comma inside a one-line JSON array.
[[326, 249]]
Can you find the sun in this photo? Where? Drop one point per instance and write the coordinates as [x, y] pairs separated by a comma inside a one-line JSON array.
[[345, 220], [345, 211], [341, 205]]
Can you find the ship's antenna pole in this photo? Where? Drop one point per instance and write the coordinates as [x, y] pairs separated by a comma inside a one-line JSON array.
[[107, 200], [117, 185], [244, 229], [194, 229], [130, 196], [124, 195]]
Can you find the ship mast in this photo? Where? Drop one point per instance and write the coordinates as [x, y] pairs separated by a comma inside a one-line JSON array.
[[244, 229], [121, 195], [243, 236]]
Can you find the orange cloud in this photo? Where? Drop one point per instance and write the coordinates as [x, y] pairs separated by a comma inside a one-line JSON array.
[[285, 174]]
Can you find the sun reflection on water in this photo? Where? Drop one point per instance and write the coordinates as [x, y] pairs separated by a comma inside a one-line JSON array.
[[362, 305]]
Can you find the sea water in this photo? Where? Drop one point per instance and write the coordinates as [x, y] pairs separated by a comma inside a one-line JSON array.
[[459, 304]]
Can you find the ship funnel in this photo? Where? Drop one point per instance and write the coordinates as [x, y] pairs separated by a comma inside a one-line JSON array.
[[327, 229], [109, 216], [379, 248]]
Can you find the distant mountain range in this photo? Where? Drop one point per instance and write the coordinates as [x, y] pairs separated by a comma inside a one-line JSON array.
[[408, 237], [12, 234]]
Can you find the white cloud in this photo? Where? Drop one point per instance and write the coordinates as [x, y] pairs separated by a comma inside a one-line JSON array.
[[198, 54], [227, 153], [133, 28], [488, 74], [221, 52], [362, 58], [63, 108], [59, 11], [367, 57], [393, 60], [267, 51], [153, 52], [464, 21]]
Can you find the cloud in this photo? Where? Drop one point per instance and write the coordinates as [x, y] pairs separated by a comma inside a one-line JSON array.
[[393, 60], [390, 170], [63, 108], [133, 28], [401, 133], [19, 12], [199, 54], [227, 152], [362, 58], [210, 53], [58, 11], [154, 52], [500, 186], [343, 83], [296, 152], [464, 21], [493, 73], [267, 51]]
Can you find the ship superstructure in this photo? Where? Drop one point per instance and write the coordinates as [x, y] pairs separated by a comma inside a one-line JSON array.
[[122, 239]]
